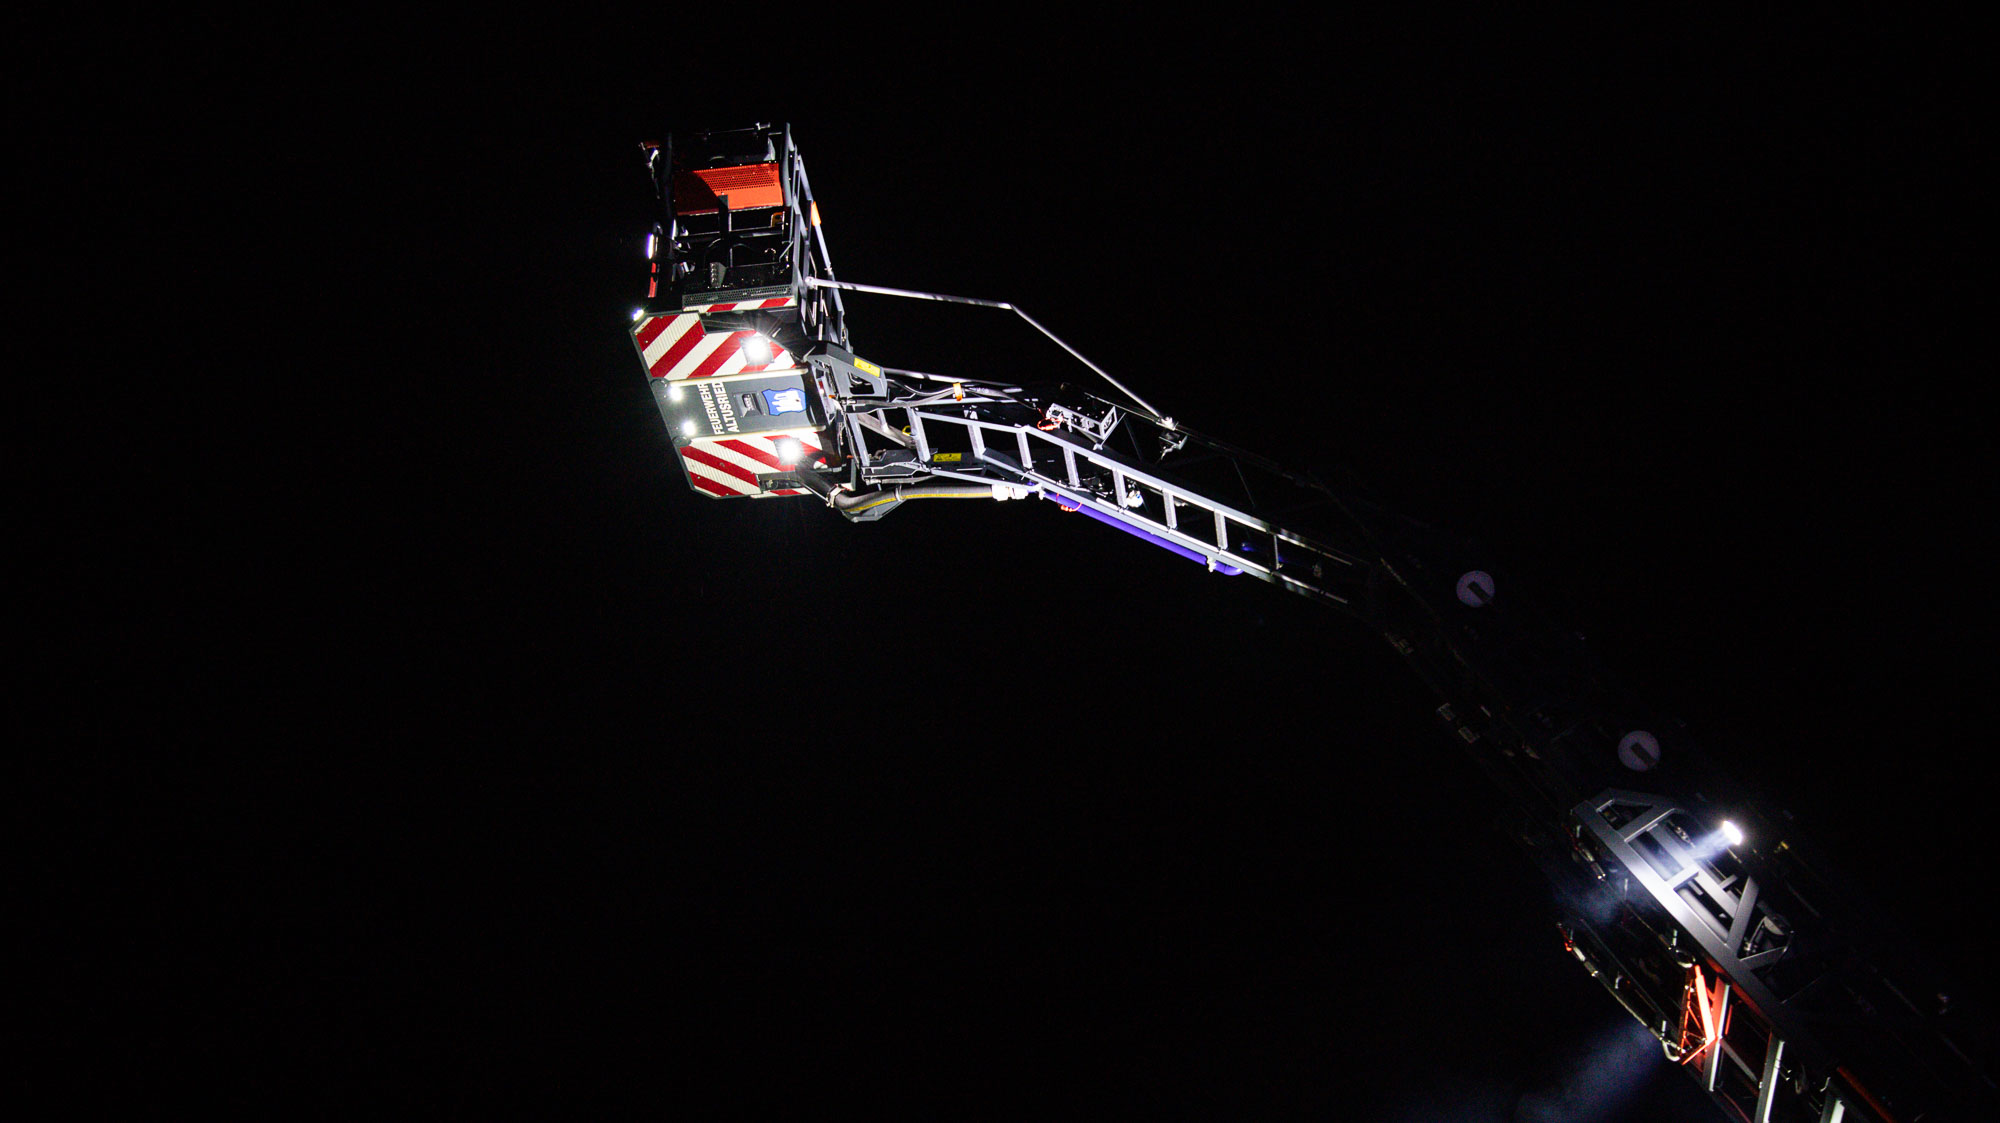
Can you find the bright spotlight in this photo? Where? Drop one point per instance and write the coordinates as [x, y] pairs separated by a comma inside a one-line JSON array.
[[1708, 845], [757, 350], [675, 392], [687, 428], [638, 314], [789, 450]]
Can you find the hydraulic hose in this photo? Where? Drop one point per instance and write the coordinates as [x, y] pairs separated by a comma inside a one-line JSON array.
[[861, 501]]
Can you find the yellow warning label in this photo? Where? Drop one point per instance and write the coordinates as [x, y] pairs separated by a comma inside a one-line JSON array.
[[947, 457], [871, 368]]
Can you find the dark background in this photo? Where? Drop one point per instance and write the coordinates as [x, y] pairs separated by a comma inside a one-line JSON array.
[[420, 744]]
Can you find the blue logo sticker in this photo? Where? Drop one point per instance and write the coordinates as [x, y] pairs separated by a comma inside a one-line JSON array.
[[784, 401]]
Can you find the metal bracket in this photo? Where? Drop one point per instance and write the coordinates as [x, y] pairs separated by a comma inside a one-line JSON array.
[[1098, 429]]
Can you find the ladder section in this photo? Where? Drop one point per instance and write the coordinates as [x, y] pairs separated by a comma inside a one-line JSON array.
[[1081, 475]]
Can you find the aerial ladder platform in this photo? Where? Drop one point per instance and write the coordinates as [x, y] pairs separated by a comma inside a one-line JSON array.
[[1708, 923]]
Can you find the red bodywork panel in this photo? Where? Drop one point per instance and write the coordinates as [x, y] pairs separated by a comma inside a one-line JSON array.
[[747, 185]]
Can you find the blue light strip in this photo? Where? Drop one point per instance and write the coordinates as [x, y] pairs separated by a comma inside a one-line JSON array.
[[1138, 532]]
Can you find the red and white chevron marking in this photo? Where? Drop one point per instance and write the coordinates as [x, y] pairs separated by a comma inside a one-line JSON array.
[[744, 305], [727, 467], [675, 347]]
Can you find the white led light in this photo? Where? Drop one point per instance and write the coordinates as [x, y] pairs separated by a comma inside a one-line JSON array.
[[675, 392], [687, 428], [757, 350], [652, 244], [1732, 832], [789, 450], [638, 314]]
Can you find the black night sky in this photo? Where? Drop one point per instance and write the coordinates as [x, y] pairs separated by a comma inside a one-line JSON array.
[[420, 745]]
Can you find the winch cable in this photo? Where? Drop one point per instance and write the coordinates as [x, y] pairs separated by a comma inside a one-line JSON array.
[[824, 283]]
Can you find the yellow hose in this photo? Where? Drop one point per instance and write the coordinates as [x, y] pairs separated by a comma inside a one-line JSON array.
[[919, 493]]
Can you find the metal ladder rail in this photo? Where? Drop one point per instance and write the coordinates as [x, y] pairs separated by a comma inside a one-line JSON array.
[[1053, 464], [1277, 554], [823, 315]]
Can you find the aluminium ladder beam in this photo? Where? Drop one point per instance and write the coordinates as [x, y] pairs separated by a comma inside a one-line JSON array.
[[1231, 525]]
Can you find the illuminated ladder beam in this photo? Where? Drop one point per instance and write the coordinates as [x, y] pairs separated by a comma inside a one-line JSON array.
[[1721, 938], [1767, 1084], [1295, 571]]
